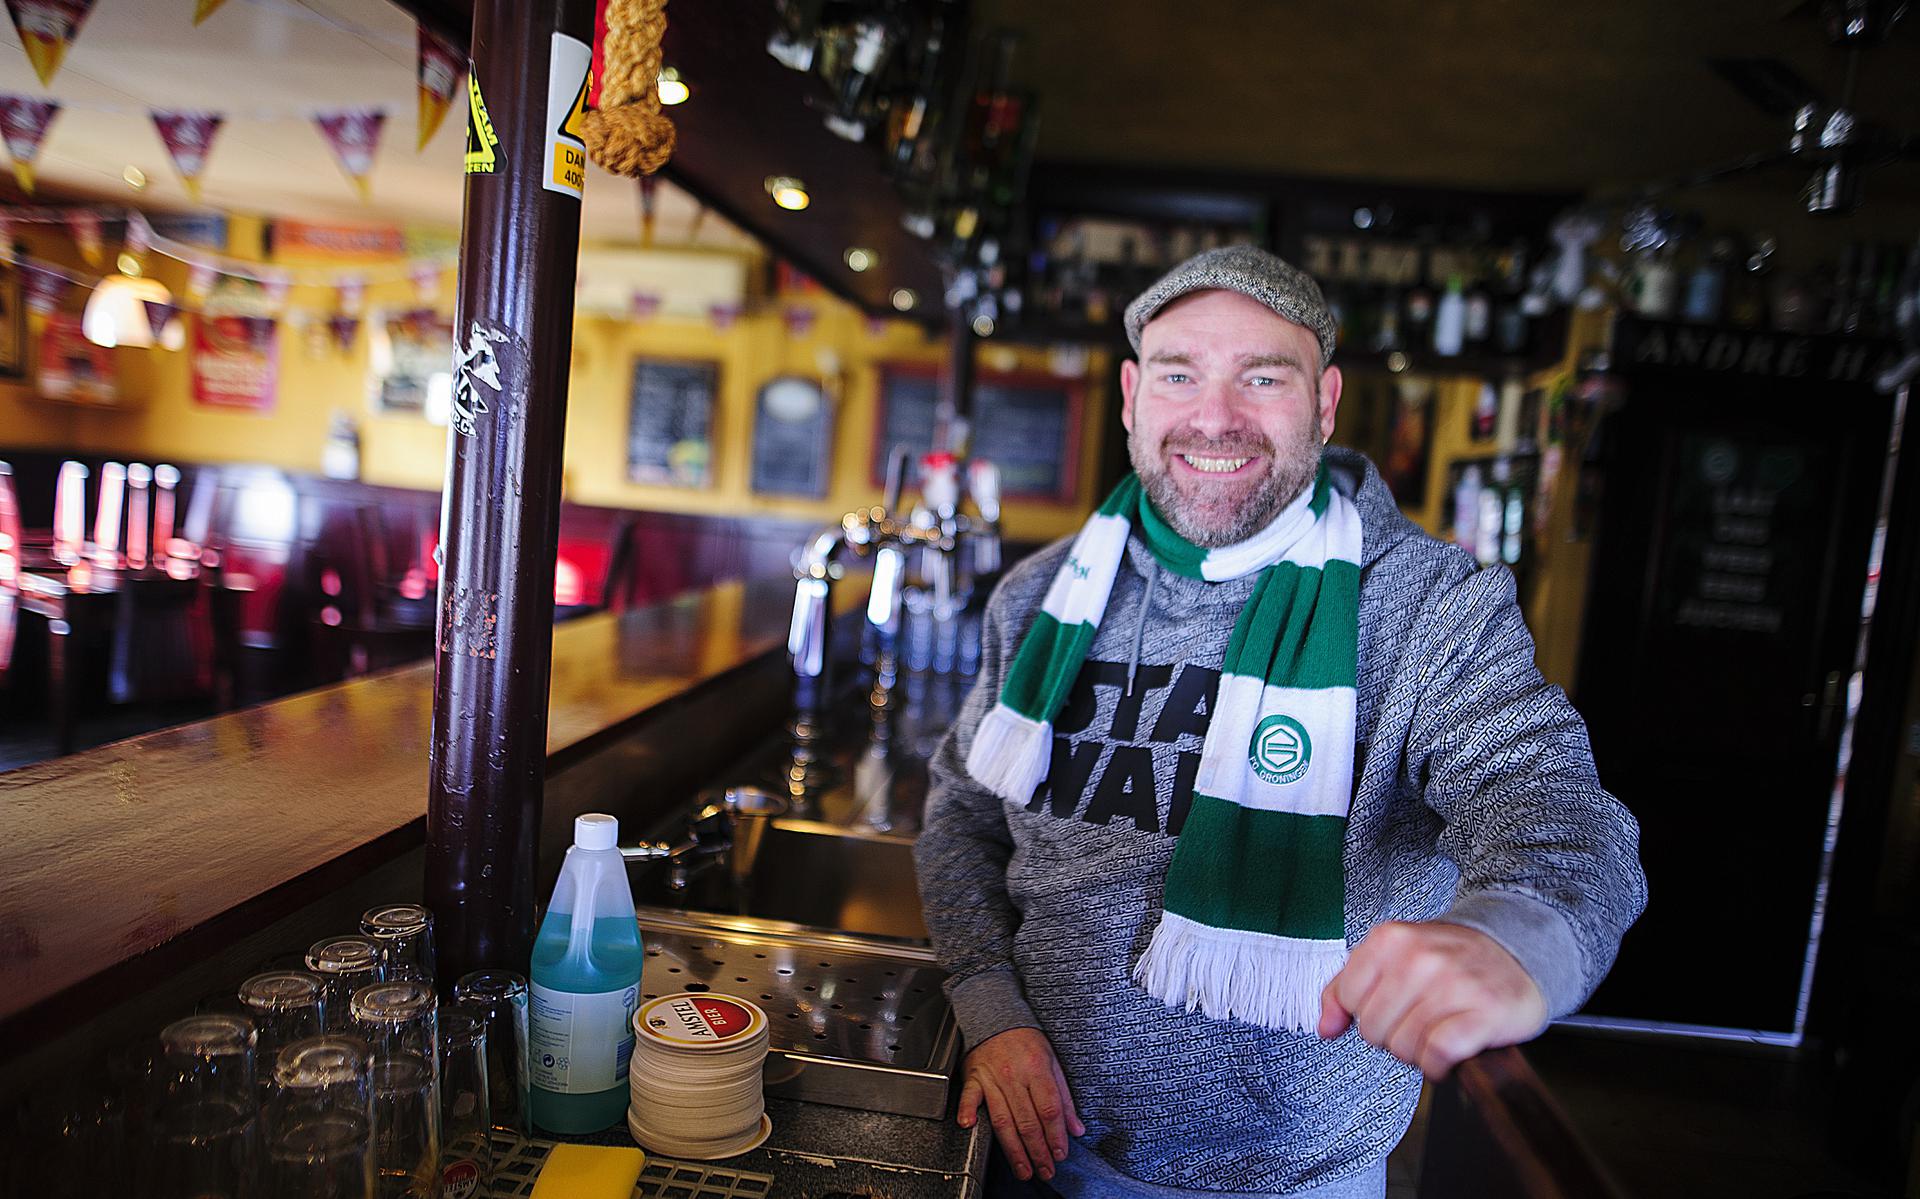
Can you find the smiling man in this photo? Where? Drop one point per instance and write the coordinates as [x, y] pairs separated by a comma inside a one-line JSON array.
[[1260, 807]]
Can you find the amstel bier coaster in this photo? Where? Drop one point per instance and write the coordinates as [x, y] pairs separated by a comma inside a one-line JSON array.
[[695, 1076]]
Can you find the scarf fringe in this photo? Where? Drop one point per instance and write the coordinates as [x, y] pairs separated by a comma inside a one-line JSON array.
[[1272, 981], [1010, 753]]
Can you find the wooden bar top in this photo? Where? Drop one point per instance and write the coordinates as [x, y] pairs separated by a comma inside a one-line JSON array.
[[121, 862]]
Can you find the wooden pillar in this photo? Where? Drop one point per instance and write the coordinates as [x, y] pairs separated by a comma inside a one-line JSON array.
[[500, 512]]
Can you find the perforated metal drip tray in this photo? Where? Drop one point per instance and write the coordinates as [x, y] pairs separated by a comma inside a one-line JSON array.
[[855, 1023]]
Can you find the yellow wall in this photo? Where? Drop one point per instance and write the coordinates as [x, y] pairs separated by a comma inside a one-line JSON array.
[[158, 418]]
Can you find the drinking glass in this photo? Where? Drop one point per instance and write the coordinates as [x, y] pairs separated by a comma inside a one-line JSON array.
[[399, 1020], [208, 1118], [466, 1154], [405, 934], [285, 1006], [406, 1126], [344, 964], [502, 996], [319, 1121]]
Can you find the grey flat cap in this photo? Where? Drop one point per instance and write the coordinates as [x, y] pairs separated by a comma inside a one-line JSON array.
[[1252, 272]]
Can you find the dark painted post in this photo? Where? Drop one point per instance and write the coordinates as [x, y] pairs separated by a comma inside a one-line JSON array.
[[500, 513]]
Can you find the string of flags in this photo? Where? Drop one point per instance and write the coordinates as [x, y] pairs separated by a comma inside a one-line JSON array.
[[47, 29]]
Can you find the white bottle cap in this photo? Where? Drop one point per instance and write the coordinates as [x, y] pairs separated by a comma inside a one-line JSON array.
[[595, 830]]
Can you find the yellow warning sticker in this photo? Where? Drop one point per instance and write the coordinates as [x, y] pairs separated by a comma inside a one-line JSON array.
[[569, 73], [483, 144]]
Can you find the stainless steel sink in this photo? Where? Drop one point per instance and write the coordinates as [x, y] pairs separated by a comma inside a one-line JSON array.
[[831, 877]]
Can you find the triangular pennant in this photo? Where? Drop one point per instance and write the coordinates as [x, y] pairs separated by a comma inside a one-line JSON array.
[[643, 304], [799, 319], [353, 134], [350, 294], [202, 9], [722, 316], [426, 281], [438, 69], [188, 137], [200, 280], [139, 236], [44, 289], [344, 329], [23, 122], [46, 29], [159, 312], [84, 224]]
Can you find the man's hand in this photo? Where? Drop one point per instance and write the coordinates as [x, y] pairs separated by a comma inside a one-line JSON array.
[[1432, 995], [1017, 1075]]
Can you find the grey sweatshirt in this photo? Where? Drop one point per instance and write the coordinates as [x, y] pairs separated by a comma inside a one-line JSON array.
[[1476, 802]]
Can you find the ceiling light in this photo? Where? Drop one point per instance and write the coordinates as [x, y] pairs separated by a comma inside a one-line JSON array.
[[859, 259], [135, 177], [788, 192], [904, 299], [983, 325], [672, 89], [116, 312], [128, 264]]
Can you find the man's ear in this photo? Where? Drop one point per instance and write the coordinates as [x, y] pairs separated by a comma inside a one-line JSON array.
[[1129, 384], [1330, 384]]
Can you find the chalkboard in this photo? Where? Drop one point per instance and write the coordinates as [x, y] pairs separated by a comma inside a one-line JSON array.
[[792, 438], [1027, 425], [670, 435]]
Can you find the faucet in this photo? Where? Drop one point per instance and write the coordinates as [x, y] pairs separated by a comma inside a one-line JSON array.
[[726, 827]]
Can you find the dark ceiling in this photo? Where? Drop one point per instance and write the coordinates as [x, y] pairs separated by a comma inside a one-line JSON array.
[[1488, 94]]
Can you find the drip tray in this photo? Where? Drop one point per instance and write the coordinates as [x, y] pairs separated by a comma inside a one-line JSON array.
[[854, 1022]]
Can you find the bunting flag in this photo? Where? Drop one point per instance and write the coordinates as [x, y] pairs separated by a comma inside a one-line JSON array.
[[722, 316], [139, 235], [353, 134], [876, 326], [159, 313], [200, 279], [43, 289], [344, 329], [439, 68], [643, 304], [23, 122], [426, 282], [799, 320], [275, 286], [188, 137], [350, 295], [46, 29], [202, 9], [84, 224]]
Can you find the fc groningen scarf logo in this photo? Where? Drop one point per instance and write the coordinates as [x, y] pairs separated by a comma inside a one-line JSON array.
[[1281, 750]]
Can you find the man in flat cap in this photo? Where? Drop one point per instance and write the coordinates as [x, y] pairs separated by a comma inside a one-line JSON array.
[[1260, 808]]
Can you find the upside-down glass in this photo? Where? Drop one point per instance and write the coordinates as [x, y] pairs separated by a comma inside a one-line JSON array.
[[399, 1020], [344, 964], [207, 1118], [319, 1121], [285, 1006], [502, 995], [405, 934], [466, 1145]]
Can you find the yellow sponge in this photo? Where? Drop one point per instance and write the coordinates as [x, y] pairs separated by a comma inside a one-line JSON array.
[[589, 1172]]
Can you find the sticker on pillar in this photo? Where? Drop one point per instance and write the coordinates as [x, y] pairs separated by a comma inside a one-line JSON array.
[[569, 76], [476, 363], [483, 144]]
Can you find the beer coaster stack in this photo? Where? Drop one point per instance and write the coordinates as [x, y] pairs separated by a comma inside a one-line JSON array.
[[695, 1076]]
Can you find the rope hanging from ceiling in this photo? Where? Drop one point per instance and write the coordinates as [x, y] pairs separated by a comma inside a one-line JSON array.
[[627, 134]]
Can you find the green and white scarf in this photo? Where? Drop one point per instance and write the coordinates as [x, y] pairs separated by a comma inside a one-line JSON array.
[[1255, 913]]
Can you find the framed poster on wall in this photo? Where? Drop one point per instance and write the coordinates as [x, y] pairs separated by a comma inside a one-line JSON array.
[[792, 438], [1027, 424], [670, 422], [410, 364]]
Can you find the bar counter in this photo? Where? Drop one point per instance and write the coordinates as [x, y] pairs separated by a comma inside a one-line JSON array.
[[131, 863]]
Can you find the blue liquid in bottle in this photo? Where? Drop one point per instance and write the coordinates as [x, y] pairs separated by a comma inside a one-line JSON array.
[[586, 982]]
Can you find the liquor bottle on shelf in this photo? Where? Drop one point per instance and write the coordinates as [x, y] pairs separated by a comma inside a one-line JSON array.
[[865, 45], [913, 119], [796, 32], [1477, 320], [1450, 320], [1706, 291]]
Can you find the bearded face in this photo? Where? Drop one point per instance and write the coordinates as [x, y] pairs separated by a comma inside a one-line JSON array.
[[1226, 412]]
